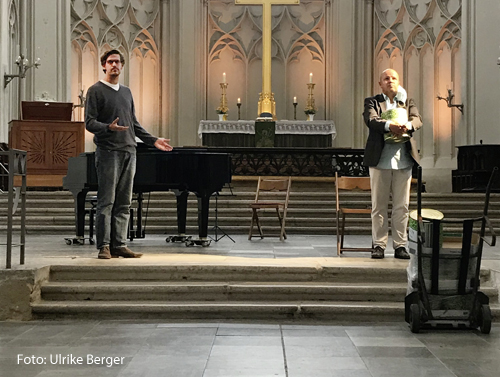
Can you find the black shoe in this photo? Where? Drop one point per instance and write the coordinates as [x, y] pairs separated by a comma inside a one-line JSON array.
[[401, 253], [378, 253]]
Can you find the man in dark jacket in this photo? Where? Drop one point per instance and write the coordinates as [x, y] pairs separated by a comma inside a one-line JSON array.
[[390, 162], [110, 116]]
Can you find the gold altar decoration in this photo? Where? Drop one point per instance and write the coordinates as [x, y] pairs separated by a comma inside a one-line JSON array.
[[266, 97], [310, 105], [223, 109]]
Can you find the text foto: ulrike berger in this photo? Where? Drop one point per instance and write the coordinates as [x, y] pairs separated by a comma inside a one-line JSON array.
[[59, 359]]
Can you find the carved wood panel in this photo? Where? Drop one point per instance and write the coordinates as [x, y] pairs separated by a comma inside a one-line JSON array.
[[49, 143]]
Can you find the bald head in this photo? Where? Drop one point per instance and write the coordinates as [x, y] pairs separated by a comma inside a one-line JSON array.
[[389, 83]]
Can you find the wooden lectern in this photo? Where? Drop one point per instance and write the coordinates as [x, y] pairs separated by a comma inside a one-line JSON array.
[[49, 136]]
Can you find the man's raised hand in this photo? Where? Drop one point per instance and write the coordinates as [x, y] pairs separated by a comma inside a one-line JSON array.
[[115, 127], [163, 145]]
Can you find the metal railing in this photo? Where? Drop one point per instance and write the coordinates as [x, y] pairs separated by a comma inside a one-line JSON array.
[[13, 164]]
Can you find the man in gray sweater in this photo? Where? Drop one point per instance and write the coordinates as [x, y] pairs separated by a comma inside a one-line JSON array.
[[110, 116]]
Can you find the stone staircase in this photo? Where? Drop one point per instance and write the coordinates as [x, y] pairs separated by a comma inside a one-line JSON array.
[[311, 210], [230, 292]]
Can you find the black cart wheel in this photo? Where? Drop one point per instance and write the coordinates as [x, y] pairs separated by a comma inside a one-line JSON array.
[[485, 319], [415, 318]]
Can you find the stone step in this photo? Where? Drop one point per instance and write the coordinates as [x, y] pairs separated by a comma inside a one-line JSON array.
[[228, 291], [233, 273], [311, 210], [347, 311]]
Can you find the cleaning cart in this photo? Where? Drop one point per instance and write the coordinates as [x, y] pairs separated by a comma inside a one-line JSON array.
[[444, 271]]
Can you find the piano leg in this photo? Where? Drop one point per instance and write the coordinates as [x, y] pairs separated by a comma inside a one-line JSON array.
[[79, 219], [182, 197], [203, 206]]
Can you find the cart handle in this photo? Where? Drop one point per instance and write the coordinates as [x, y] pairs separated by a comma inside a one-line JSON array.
[[492, 231], [421, 235]]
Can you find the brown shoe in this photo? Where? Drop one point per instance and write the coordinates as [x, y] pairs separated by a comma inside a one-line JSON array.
[[124, 252], [104, 253], [378, 253]]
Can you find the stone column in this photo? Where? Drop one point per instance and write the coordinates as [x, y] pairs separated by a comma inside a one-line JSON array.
[[48, 38], [184, 68], [481, 90], [349, 58]]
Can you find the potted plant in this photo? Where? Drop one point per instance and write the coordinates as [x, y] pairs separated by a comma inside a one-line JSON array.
[[222, 113], [310, 113]]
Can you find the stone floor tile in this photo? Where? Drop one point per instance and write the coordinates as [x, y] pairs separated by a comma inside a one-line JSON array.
[[386, 341], [394, 352], [408, 367], [244, 372]]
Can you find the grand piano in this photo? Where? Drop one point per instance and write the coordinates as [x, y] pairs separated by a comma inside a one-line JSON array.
[[182, 171]]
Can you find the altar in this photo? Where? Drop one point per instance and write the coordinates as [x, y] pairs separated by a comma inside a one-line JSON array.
[[287, 133]]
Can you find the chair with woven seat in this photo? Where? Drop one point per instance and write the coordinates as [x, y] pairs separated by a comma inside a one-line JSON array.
[[279, 188], [349, 184]]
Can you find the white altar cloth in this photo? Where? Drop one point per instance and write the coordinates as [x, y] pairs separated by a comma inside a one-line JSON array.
[[284, 127]]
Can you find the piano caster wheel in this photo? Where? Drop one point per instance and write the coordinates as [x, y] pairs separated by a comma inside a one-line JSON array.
[[203, 243], [178, 238], [75, 241]]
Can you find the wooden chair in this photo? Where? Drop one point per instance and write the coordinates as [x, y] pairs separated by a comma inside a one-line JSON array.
[[349, 184], [280, 186]]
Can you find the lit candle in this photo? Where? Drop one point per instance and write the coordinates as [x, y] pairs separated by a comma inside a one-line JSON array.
[[224, 78], [294, 99], [310, 77], [239, 100]]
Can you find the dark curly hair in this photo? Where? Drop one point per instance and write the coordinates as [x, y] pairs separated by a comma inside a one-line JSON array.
[[105, 56]]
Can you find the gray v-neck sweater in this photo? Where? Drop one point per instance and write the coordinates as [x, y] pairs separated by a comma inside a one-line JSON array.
[[104, 104]]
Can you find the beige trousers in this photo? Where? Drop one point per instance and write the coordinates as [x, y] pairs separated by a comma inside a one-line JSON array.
[[385, 182]]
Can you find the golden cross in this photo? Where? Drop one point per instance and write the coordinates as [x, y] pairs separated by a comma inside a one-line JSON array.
[[266, 99]]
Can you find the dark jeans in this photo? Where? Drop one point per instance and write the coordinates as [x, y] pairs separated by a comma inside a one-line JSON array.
[[115, 177]]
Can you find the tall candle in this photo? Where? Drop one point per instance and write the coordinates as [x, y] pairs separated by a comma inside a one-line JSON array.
[[310, 77], [224, 77], [239, 100], [294, 99]]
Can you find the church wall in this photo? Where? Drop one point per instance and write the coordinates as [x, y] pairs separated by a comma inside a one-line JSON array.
[[298, 49], [176, 52], [483, 71], [421, 39]]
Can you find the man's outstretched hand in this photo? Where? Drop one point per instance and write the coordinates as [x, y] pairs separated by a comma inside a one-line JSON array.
[[115, 127], [163, 145]]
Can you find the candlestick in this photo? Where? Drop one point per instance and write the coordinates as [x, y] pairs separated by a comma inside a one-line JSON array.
[[224, 78], [449, 100], [239, 109], [295, 111], [310, 77]]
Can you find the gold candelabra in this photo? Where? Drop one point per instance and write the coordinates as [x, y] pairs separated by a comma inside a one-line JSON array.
[[310, 105], [223, 109]]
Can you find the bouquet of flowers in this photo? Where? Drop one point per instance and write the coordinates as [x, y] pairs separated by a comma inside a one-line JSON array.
[[400, 116]]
